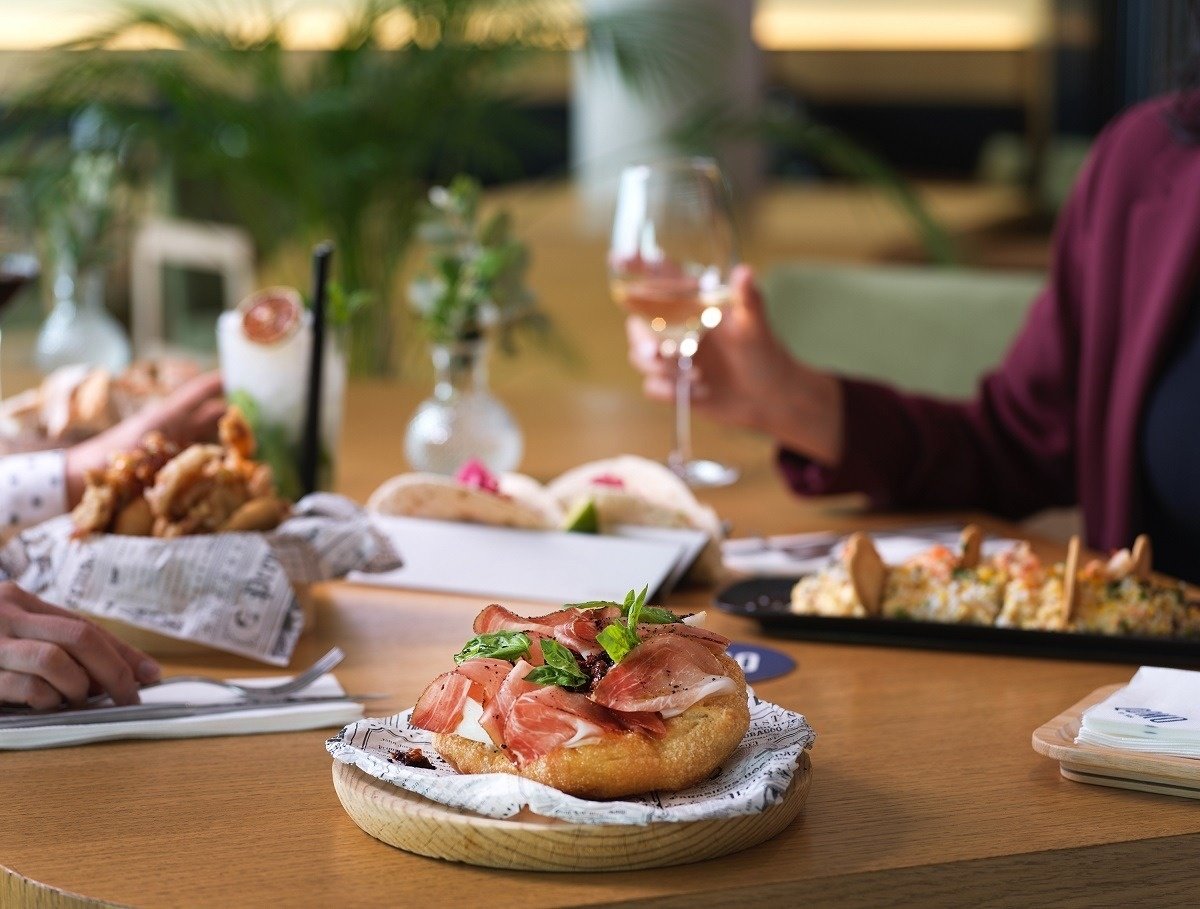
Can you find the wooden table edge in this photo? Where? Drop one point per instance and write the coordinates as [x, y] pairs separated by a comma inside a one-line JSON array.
[[18, 890], [1097, 873]]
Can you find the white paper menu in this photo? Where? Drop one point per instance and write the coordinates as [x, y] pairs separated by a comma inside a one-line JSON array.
[[537, 565]]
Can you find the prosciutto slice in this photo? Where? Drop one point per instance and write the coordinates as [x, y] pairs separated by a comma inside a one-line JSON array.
[[644, 721], [667, 673], [541, 721], [440, 706], [574, 628], [495, 713], [487, 674], [710, 639]]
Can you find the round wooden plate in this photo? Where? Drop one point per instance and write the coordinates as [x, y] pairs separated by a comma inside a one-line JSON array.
[[529, 843]]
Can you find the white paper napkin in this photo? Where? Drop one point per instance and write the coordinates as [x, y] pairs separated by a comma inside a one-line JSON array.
[[1158, 711], [541, 565], [284, 718]]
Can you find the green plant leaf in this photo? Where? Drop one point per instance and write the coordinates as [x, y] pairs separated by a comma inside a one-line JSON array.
[[497, 645], [591, 604], [561, 667], [656, 615], [617, 640]]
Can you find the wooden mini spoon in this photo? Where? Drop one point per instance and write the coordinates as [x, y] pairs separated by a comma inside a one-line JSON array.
[[1142, 557], [1071, 581], [971, 544], [867, 572]]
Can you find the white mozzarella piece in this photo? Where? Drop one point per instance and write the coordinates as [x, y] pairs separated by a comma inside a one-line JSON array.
[[713, 684], [469, 727]]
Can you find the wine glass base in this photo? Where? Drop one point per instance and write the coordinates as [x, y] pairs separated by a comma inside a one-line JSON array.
[[704, 474]]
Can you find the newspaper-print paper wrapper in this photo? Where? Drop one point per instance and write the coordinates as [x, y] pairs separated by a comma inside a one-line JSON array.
[[231, 591], [753, 779]]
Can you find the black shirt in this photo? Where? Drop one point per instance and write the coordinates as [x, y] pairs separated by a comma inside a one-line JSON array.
[[1170, 456]]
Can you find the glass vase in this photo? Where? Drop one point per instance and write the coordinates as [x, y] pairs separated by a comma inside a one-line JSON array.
[[462, 419], [79, 328]]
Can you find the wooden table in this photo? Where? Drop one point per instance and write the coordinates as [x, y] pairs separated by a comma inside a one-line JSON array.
[[925, 791]]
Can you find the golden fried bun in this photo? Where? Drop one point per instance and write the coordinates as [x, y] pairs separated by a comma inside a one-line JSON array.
[[697, 742]]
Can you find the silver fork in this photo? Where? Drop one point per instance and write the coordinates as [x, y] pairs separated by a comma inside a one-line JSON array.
[[253, 692]]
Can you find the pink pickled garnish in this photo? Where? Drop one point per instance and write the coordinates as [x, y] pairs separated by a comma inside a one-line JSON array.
[[608, 479], [475, 475]]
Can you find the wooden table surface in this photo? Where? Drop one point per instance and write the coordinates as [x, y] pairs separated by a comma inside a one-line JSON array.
[[925, 788]]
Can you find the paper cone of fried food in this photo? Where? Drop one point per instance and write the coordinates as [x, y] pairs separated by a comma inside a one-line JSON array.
[[867, 572], [971, 544], [1142, 557], [1071, 581]]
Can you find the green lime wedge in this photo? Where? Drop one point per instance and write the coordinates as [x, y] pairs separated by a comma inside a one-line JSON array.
[[583, 518]]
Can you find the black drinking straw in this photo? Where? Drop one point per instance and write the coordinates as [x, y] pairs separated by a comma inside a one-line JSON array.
[[310, 450]]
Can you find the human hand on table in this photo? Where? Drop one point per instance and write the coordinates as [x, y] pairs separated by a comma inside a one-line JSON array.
[[189, 414], [49, 656], [744, 376]]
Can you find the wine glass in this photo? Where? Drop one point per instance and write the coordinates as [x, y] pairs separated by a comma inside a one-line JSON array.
[[672, 252], [19, 265]]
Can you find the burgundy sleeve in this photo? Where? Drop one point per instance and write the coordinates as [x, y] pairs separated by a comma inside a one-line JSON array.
[[1010, 450]]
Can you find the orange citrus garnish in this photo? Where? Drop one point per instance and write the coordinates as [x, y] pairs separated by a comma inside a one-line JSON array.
[[271, 315]]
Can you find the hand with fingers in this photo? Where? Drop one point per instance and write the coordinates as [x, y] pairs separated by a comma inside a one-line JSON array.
[[187, 415], [50, 657], [744, 376]]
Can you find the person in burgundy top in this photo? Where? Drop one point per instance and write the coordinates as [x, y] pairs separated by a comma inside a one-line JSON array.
[[1097, 402]]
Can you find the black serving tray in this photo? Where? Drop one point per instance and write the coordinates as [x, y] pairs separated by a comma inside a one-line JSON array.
[[767, 599]]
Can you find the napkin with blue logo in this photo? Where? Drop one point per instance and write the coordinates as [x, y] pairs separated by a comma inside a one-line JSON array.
[[1157, 712]]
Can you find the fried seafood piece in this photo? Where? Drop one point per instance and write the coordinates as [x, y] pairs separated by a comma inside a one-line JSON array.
[[235, 433], [113, 490], [238, 438], [195, 492], [211, 488], [158, 490]]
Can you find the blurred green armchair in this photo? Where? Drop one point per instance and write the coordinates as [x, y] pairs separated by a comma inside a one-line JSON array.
[[932, 330]]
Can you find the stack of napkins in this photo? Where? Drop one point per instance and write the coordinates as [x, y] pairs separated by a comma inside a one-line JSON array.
[[1158, 712]]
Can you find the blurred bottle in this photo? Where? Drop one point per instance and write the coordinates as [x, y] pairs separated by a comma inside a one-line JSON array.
[[462, 420], [80, 329]]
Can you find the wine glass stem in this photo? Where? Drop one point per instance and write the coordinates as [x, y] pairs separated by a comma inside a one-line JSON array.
[[681, 451]]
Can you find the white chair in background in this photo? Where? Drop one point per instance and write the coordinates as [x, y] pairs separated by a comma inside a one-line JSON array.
[[161, 242]]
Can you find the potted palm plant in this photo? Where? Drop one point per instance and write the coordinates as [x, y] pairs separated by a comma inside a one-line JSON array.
[[342, 141]]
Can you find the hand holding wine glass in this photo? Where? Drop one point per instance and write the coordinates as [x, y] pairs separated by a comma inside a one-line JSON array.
[[745, 376], [670, 261]]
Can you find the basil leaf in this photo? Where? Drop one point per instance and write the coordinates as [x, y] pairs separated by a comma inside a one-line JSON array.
[[656, 615], [561, 667], [591, 604], [497, 645], [548, 675], [635, 609], [617, 641]]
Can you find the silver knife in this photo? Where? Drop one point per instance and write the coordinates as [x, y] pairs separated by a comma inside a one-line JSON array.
[[160, 711]]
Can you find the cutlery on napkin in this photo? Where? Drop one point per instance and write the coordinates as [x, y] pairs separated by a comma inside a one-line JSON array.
[[194, 709]]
